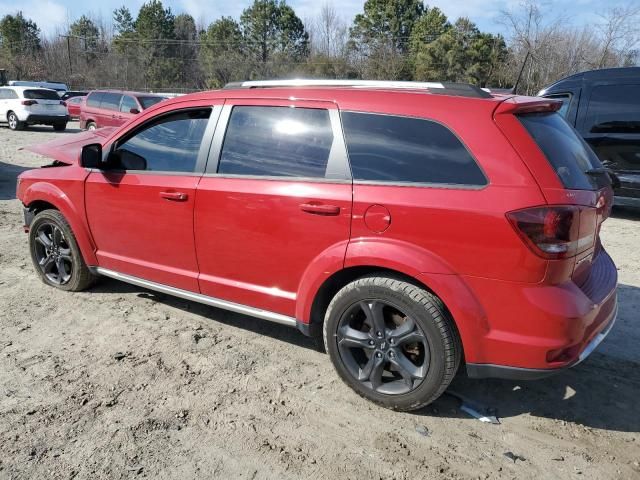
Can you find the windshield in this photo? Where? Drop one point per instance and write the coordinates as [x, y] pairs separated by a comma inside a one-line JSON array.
[[567, 152], [41, 95], [147, 102]]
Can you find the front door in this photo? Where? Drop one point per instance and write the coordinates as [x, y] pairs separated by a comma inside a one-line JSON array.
[[276, 198], [141, 211]]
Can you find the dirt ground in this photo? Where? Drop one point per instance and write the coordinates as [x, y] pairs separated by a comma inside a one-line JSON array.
[[120, 382]]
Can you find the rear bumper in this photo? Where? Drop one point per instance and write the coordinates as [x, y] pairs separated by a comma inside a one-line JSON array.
[[533, 330], [47, 119], [476, 370]]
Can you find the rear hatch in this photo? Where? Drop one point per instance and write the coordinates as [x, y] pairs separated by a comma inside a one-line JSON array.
[[577, 189], [43, 102]]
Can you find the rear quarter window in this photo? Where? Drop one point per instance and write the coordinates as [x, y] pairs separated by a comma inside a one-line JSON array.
[[566, 151], [388, 148]]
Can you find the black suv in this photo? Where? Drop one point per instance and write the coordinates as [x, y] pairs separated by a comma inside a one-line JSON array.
[[604, 106]]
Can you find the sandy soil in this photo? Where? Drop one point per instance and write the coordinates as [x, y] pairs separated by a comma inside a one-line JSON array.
[[120, 382]]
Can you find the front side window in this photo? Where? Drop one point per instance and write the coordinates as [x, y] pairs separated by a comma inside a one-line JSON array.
[[127, 104], [277, 141], [41, 95], [147, 102], [111, 101], [396, 149], [168, 144], [614, 109]]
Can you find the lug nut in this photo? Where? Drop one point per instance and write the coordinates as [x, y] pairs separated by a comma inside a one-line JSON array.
[[391, 354], [392, 341], [378, 355], [371, 342], [379, 334]]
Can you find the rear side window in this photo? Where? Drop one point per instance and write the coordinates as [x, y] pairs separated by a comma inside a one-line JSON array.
[[41, 95], [168, 144], [111, 101], [567, 152], [389, 148], [277, 141], [8, 94], [614, 109], [94, 99]]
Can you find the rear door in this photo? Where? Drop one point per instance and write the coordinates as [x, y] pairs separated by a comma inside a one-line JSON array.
[[140, 211], [47, 102], [611, 125], [275, 201]]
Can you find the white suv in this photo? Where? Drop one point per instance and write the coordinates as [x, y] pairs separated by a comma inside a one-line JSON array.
[[23, 106]]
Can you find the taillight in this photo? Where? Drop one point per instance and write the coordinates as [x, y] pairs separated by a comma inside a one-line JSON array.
[[28, 103], [555, 231]]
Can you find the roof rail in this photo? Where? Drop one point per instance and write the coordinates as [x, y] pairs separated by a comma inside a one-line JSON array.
[[443, 88]]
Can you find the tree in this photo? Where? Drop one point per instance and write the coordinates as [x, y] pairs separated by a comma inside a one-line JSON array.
[[87, 31], [379, 37], [328, 33], [186, 50], [222, 53], [272, 31], [461, 54], [19, 43]]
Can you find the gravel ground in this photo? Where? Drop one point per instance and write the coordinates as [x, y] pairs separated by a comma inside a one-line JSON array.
[[120, 382]]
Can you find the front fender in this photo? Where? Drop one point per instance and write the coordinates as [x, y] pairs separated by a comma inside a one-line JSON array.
[[71, 207]]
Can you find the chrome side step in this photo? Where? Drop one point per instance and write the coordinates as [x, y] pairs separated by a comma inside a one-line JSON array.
[[197, 297]]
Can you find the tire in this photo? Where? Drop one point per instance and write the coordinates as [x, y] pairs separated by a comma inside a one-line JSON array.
[[57, 258], [416, 328], [14, 122], [60, 127], [91, 126]]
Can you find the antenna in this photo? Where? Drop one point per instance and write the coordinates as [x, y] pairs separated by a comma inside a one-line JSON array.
[[513, 90]]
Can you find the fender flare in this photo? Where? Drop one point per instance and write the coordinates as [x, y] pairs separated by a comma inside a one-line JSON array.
[[47, 192], [424, 266]]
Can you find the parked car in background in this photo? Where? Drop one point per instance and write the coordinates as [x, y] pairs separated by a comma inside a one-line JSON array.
[[73, 93], [23, 106], [110, 108], [73, 106], [408, 226], [57, 86], [604, 106]]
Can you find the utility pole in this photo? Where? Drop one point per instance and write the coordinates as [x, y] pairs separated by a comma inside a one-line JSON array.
[[68, 37]]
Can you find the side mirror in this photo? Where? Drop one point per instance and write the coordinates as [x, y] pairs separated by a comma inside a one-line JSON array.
[[134, 111], [91, 156]]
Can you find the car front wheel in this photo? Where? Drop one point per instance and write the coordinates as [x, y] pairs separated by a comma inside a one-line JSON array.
[[55, 253], [392, 342]]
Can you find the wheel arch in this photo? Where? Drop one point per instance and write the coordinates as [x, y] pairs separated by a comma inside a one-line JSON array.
[[41, 196]]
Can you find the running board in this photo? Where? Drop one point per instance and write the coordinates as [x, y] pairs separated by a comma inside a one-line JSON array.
[[197, 297]]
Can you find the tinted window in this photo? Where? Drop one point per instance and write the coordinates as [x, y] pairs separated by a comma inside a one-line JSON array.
[[567, 152], [8, 94], [94, 99], [277, 141], [169, 144], [565, 98], [614, 108], [110, 101], [41, 95], [75, 100], [147, 102], [128, 103], [400, 149]]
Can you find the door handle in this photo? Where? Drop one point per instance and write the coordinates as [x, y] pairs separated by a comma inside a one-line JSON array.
[[320, 209], [175, 196]]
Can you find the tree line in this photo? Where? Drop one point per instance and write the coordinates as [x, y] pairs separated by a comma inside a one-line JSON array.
[[154, 49]]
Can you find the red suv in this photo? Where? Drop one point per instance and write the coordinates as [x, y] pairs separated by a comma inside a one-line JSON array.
[[412, 226], [110, 108]]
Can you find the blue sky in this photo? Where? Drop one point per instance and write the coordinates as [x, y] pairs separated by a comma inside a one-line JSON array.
[[49, 14]]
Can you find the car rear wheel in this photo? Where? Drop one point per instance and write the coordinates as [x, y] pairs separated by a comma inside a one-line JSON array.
[[14, 122], [55, 253], [60, 127], [91, 126], [392, 342]]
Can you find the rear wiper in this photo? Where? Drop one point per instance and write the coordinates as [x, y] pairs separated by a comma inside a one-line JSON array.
[[599, 171]]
